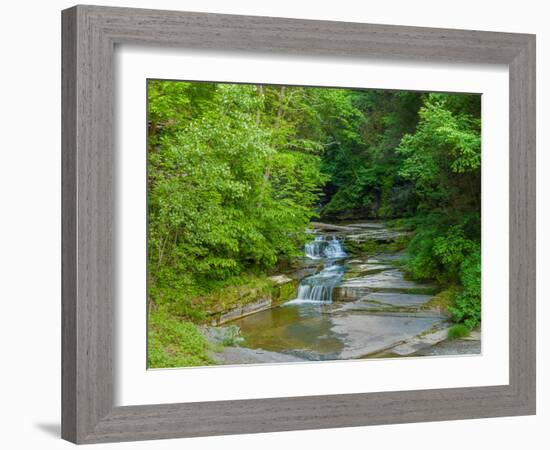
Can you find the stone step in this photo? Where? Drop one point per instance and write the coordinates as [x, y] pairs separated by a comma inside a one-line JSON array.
[[387, 281], [355, 270], [381, 309], [397, 299], [421, 342]]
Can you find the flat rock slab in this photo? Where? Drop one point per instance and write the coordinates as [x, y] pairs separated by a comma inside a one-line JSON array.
[[241, 311], [355, 270], [391, 281], [397, 299], [387, 257], [455, 347], [379, 235], [378, 308], [367, 225], [332, 227], [242, 355], [280, 279], [388, 280], [421, 342], [364, 334]]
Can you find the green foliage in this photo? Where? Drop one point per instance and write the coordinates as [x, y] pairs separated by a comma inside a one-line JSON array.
[[458, 331], [173, 342], [231, 187], [438, 249], [467, 307], [443, 300], [364, 165], [223, 295], [237, 172], [442, 158], [368, 247], [231, 336]]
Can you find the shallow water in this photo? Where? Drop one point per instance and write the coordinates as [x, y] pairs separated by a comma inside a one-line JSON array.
[[365, 319], [299, 327]]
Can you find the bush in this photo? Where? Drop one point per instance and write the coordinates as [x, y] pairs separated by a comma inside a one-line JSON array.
[[467, 306], [458, 331], [175, 343], [423, 263], [437, 250], [449, 255]]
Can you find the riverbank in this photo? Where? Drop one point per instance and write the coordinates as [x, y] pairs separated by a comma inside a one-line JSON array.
[[357, 305], [347, 298]]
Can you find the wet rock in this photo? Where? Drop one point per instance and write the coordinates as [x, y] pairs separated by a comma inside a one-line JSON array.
[[241, 311], [319, 268], [398, 299], [421, 342], [332, 227], [367, 225], [378, 236], [365, 334], [387, 281], [280, 279], [375, 311], [355, 269]]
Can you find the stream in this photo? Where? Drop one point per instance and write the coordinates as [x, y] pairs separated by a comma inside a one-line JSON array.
[[349, 306]]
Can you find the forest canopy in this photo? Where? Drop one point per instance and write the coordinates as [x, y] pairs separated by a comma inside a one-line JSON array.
[[236, 172]]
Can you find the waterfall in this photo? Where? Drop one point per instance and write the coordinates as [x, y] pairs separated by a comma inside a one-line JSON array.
[[321, 248], [314, 250], [318, 288], [334, 249]]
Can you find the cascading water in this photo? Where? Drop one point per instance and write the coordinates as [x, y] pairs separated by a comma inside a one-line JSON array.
[[318, 288], [315, 249], [334, 249], [321, 248]]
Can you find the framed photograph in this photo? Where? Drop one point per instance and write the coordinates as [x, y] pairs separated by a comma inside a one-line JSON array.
[[278, 224]]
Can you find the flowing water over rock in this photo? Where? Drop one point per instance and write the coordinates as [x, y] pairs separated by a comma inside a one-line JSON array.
[[321, 247], [318, 288], [354, 306]]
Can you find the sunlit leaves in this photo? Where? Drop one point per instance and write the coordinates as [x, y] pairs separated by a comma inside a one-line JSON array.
[[232, 183]]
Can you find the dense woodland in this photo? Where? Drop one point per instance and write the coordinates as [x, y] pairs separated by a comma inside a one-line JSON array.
[[237, 172]]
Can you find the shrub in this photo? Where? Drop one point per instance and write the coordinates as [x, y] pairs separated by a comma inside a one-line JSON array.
[[458, 331], [437, 251], [422, 263], [467, 306], [175, 343]]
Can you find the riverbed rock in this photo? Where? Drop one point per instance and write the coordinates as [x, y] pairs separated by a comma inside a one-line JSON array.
[[398, 299], [376, 311], [222, 335], [332, 227], [452, 347], [378, 236], [280, 279], [366, 334], [243, 355], [360, 268], [386, 281], [241, 311], [421, 342]]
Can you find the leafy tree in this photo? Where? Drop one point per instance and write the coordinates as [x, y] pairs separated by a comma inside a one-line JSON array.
[[227, 193]]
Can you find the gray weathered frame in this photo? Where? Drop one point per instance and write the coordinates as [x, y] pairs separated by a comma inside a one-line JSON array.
[[89, 36]]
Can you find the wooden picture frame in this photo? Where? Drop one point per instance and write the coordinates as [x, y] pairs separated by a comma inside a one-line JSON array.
[[90, 34]]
